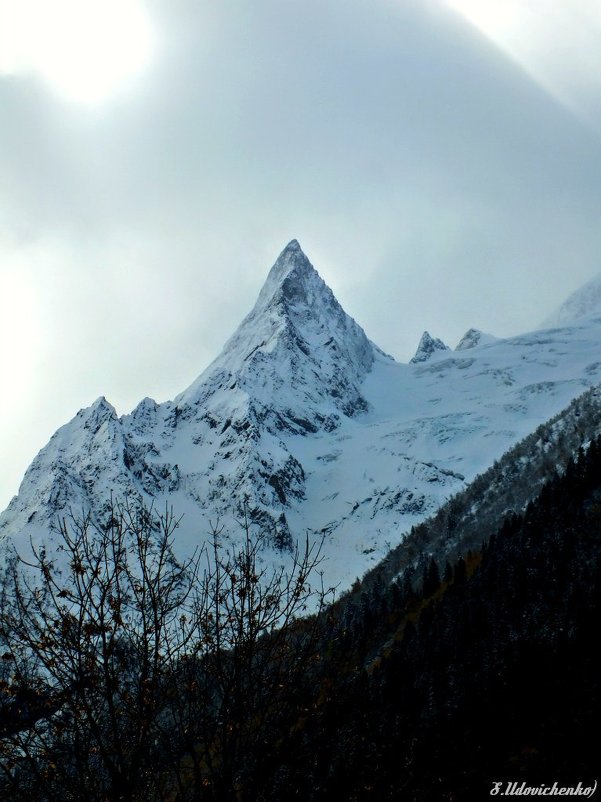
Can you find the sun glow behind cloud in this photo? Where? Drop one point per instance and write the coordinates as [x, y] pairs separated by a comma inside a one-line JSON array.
[[558, 44], [493, 18], [83, 49]]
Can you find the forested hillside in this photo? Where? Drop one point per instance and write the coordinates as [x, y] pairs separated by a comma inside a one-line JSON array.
[[490, 672], [431, 685]]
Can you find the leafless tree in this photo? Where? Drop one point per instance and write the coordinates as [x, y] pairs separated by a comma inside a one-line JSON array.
[[128, 675], [258, 628]]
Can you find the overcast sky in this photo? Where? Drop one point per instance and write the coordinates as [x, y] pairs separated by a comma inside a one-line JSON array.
[[439, 162]]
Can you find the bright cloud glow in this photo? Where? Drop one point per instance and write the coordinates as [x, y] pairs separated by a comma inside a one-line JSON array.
[[558, 44], [491, 17], [83, 49]]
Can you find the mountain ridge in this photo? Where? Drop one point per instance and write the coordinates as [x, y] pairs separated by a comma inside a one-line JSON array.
[[308, 425]]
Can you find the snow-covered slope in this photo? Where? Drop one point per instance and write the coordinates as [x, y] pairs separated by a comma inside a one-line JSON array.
[[586, 301], [315, 427]]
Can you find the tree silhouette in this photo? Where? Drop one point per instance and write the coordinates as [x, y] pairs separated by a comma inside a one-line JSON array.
[[128, 674]]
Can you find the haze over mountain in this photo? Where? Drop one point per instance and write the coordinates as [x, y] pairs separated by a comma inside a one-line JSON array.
[[307, 422], [412, 152], [586, 300]]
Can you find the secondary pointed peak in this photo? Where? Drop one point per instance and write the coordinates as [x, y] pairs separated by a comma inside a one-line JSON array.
[[99, 406], [474, 337], [428, 346]]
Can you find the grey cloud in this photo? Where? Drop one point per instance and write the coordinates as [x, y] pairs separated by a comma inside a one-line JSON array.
[[432, 183]]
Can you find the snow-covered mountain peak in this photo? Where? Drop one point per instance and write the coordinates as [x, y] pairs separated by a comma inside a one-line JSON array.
[[294, 290], [93, 417], [288, 278], [296, 350], [428, 346], [474, 337], [583, 302], [99, 408]]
